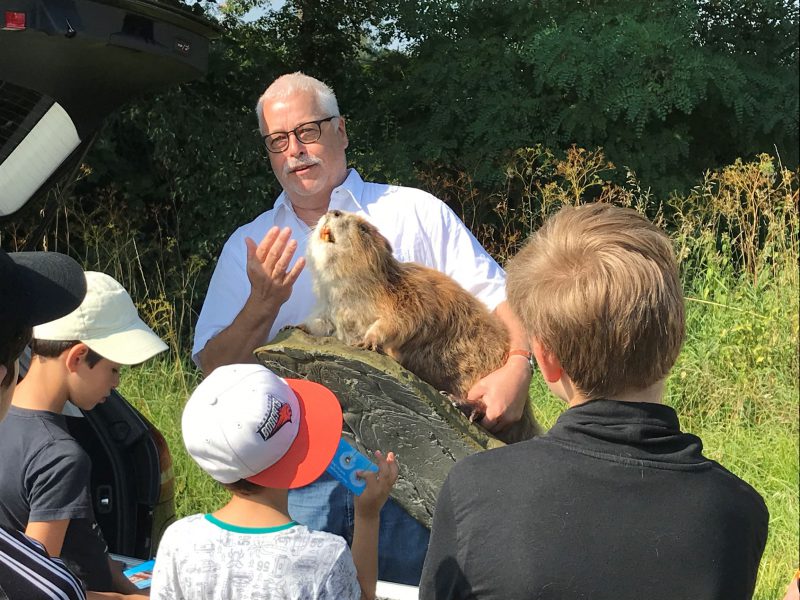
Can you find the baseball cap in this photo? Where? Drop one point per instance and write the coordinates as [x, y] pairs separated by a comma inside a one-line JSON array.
[[36, 287], [107, 322], [245, 422]]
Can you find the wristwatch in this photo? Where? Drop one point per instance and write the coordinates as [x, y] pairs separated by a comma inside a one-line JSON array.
[[525, 354]]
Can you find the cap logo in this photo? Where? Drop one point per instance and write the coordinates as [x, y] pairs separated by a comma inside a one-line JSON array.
[[278, 414]]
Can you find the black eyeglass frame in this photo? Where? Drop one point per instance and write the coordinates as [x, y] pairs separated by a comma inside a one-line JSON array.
[[318, 123]]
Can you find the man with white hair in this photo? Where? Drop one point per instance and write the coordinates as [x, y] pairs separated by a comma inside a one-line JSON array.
[[259, 287]]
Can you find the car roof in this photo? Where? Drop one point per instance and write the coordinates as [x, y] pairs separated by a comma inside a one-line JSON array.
[[67, 64]]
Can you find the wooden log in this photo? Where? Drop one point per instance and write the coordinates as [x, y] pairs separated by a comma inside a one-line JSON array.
[[385, 408]]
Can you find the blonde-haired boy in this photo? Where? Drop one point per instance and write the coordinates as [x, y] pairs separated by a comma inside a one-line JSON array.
[[614, 501]]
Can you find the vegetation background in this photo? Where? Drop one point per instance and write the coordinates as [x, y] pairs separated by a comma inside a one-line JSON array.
[[686, 110]]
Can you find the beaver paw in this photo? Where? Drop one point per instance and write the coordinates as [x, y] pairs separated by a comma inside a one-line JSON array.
[[474, 411], [370, 344], [318, 327], [302, 327]]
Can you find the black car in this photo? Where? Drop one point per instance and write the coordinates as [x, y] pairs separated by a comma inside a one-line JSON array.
[[65, 65]]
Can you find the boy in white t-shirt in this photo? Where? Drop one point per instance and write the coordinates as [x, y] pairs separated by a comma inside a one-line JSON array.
[[259, 436]]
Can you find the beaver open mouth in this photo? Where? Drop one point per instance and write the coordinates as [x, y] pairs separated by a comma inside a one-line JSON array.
[[326, 235]]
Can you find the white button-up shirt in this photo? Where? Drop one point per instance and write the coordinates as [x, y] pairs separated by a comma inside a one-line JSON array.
[[420, 227]]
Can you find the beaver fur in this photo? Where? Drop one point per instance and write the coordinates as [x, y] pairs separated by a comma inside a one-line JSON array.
[[420, 317]]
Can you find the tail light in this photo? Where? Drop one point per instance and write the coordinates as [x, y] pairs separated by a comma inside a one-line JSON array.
[[14, 21]]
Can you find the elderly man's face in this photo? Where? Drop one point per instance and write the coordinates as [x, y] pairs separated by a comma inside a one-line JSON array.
[[307, 172]]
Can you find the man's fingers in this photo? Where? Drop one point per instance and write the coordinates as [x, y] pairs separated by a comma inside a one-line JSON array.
[[490, 424], [292, 275], [476, 392], [277, 249], [267, 242], [492, 421], [251, 246], [496, 423], [284, 259]]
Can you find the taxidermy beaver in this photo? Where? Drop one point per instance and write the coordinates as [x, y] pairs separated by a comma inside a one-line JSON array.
[[420, 317]]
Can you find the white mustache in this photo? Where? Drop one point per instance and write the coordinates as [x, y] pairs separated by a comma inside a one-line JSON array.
[[298, 164]]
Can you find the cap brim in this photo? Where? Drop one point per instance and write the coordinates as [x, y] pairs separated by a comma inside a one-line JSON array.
[[321, 421], [53, 285], [129, 347]]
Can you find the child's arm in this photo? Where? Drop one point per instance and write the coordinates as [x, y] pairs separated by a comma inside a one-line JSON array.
[[119, 580], [367, 521], [49, 534]]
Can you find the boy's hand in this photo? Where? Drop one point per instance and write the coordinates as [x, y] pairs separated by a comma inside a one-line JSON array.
[[379, 484]]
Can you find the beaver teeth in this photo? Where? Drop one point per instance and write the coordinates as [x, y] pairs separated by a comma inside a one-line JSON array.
[[326, 235]]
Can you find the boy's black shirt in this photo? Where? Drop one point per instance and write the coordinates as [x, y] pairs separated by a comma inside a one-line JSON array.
[[614, 502], [46, 478]]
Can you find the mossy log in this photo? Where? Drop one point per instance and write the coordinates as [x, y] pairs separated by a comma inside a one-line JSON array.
[[385, 408]]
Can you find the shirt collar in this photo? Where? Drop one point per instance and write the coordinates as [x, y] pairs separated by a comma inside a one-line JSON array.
[[348, 192], [637, 430]]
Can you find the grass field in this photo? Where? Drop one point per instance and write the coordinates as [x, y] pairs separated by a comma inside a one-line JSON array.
[[735, 384]]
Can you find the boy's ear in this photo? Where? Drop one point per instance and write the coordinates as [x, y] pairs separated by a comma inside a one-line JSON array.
[[75, 355], [549, 365]]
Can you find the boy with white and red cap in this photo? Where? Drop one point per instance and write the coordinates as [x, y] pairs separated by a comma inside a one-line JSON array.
[[260, 435]]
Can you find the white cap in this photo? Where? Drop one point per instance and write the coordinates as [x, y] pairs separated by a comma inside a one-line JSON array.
[[107, 322], [245, 422]]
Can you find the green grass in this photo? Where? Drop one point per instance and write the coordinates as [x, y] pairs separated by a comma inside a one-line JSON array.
[[735, 385]]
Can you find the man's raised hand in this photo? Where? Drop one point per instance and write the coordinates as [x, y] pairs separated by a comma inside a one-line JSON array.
[[271, 280]]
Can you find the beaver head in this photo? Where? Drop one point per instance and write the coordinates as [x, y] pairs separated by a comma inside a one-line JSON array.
[[344, 244]]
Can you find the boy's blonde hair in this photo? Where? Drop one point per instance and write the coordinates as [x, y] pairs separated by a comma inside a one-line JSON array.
[[598, 286]]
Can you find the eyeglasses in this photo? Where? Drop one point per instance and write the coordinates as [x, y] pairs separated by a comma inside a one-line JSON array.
[[306, 133]]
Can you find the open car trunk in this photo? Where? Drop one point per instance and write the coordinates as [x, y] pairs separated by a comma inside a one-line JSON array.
[[132, 477], [65, 65]]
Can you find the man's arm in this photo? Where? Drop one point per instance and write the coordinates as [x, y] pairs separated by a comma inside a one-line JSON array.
[[49, 533], [270, 286], [505, 391]]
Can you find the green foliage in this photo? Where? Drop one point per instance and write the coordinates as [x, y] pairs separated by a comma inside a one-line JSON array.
[[668, 89], [735, 382]]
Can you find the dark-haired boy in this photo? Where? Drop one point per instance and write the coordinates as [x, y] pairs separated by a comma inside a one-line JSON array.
[[44, 485], [614, 502], [35, 287]]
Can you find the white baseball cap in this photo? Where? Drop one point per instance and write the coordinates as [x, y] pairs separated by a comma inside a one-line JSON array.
[[107, 322], [245, 422]]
